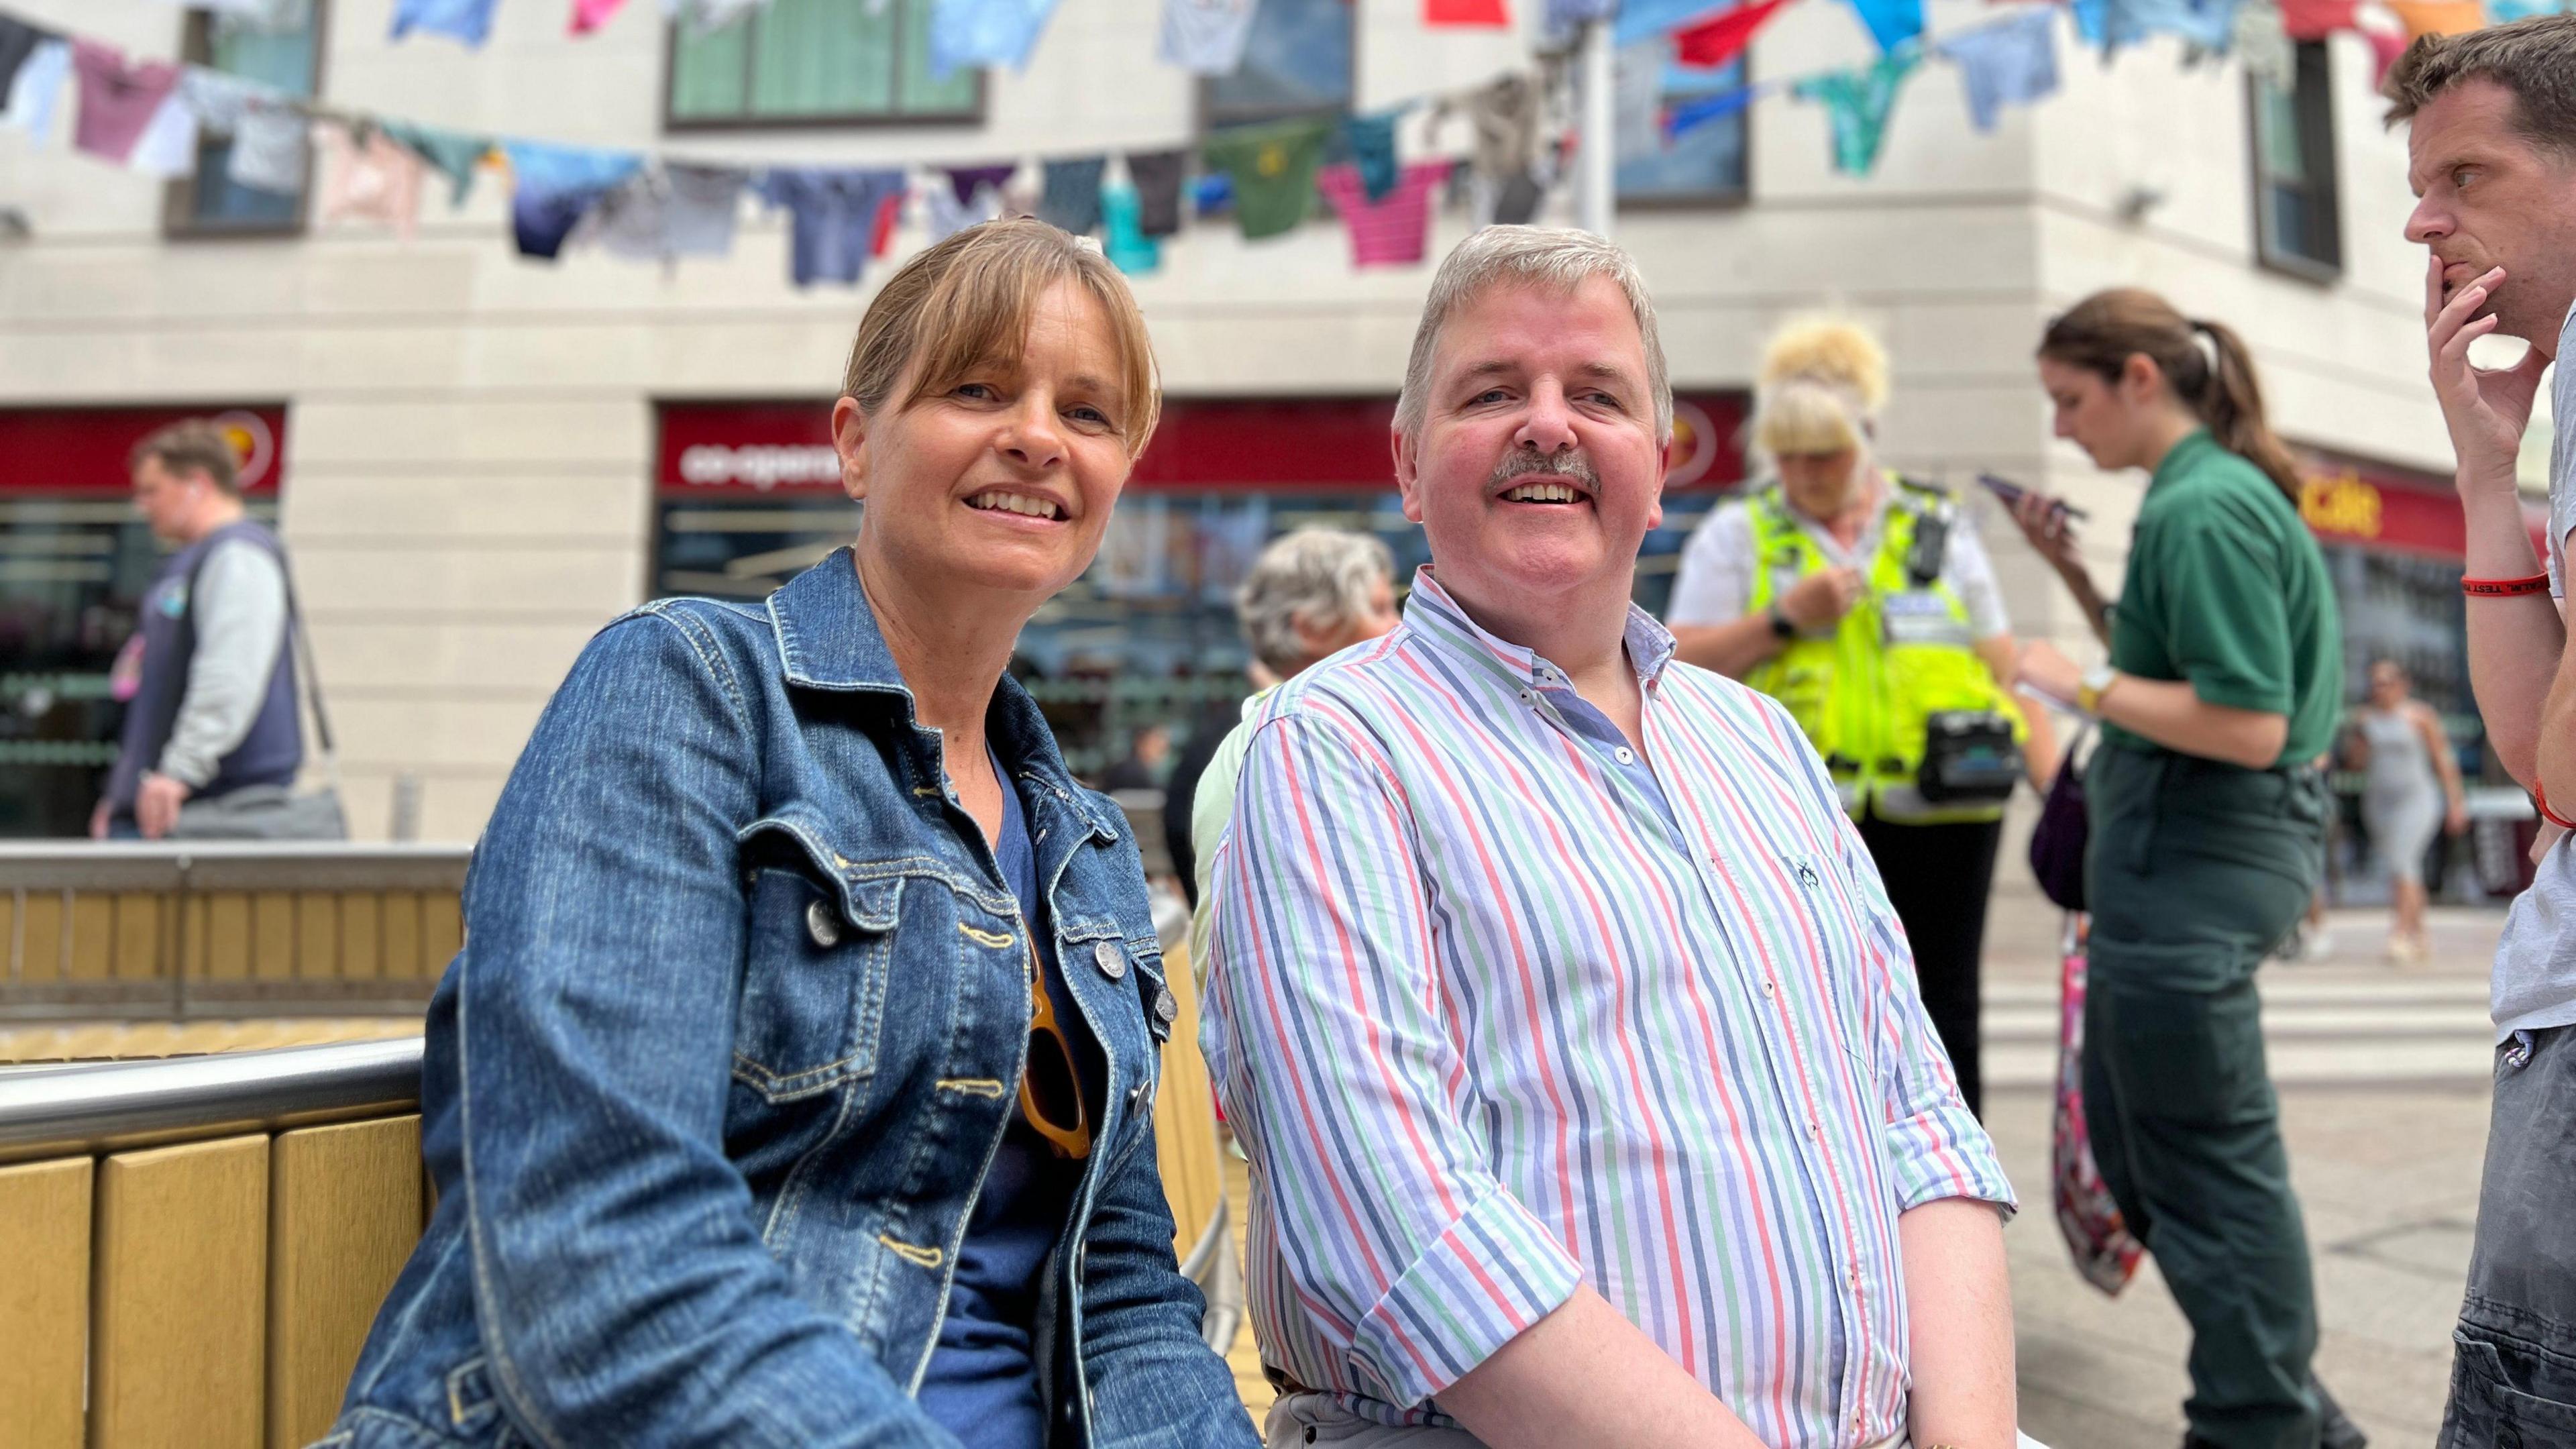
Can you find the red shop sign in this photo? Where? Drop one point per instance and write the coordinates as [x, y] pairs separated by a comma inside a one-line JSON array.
[[2347, 500], [1203, 444], [82, 452]]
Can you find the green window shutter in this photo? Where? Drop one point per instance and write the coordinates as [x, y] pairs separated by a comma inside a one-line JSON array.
[[823, 58], [708, 72], [919, 94]]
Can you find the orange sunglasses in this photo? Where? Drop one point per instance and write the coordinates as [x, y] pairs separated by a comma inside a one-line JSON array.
[[1050, 1089]]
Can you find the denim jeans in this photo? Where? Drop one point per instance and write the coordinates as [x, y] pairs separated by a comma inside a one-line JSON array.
[[2513, 1379]]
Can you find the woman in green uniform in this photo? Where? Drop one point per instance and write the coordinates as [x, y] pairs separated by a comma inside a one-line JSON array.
[[2208, 831]]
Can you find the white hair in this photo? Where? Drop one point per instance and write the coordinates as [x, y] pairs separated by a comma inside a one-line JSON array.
[[1320, 577], [1539, 256]]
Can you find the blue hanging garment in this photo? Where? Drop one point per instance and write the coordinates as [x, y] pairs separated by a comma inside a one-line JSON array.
[[466, 20], [1890, 22], [965, 34], [2010, 62]]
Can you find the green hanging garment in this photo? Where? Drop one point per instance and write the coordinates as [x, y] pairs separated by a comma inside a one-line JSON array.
[[1858, 103], [1273, 170]]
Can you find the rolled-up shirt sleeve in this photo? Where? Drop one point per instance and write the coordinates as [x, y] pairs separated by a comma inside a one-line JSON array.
[[1330, 1044]]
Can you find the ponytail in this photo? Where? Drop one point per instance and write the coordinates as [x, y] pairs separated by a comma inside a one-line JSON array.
[[2102, 332], [2231, 403]]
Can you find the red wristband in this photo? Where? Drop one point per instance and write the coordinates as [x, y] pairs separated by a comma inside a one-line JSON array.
[[2540, 798], [2505, 588]]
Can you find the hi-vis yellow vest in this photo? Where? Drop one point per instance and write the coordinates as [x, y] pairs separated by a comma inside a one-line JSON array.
[[1902, 654]]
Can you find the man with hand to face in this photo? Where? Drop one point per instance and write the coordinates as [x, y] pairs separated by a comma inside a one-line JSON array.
[[2491, 154], [1574, 1045]]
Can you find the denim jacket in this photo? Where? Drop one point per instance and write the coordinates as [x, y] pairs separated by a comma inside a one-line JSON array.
[[710, 1093]]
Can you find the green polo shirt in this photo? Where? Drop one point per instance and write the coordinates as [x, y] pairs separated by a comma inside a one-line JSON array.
[[2226, 588]]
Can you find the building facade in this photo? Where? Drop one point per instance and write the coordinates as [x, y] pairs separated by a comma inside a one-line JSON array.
[[479, 459]]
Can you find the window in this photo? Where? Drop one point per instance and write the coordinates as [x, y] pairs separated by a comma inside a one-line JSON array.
[[818, 62], [2296, 228], [1297, 61], [285, 54], [1702, 164]]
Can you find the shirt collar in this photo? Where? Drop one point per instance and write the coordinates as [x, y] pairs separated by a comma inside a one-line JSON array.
[[1434, 614], [2187, 454]]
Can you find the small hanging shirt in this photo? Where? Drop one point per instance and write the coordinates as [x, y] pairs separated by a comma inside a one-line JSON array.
[[1721, 38], [1071, 199], [451, 154], [1857, 103], [2438, 17], [554, 187], [1890, 22], [369, 179], [1371, 142], [38, 91], [832, 218], [466, 20], [969, 33], [1273, 169], [18, 41], [1206, 37], [676, 211], [118, 98], [1157, 176], [2008, 62], [1395, 232], [589, 15], [965, 181], [1124, 241]]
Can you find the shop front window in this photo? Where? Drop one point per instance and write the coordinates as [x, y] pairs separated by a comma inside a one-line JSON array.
[[1703, 161], [74, 563]]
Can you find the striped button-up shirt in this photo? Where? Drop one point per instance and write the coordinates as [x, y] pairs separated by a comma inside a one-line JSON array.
[[1494, 1020]]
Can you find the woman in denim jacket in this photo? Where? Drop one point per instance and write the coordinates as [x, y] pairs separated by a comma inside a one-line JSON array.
[[795, 1085]]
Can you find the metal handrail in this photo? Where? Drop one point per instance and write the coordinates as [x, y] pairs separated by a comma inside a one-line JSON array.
[[229, 865], [67, 1111]]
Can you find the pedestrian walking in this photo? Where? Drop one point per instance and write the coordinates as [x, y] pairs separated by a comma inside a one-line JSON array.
[[214, 735], [2410, 791], [795, 1083], [1313, 593], [2224, 685], [2491, 152], [1864, 602]]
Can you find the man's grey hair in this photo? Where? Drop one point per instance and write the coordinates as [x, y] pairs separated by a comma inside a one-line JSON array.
[[1529, 256], [1321, 577]]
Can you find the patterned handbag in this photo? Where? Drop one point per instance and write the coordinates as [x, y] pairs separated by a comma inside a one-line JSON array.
[[2104, 1251]]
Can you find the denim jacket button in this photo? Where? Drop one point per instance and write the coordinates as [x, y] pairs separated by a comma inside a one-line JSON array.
[[1166, 1010], [1113, 962], [822, 925]]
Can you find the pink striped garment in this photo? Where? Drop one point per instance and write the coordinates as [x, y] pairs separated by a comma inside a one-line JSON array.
[[1395, 229], [1491, 1022]]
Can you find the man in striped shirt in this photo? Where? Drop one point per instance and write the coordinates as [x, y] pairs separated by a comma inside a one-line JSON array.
[[1572, 1038]]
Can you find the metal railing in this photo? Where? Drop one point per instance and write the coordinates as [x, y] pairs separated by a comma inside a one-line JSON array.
[[216, 927], [102, 1107]]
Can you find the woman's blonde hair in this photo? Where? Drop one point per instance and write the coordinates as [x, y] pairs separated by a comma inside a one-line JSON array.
[[1822, 383], [965, 303]]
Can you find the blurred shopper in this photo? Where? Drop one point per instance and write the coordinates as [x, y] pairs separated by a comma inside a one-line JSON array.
[[2492, 154], [1865, 603], [1587, 1092], [214, 733], [794, 1085], [2411, 791], [1313, 593], [1142, 767], [2207, 839]]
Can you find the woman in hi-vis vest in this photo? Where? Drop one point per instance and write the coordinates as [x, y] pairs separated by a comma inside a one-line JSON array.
[[1863, 602]]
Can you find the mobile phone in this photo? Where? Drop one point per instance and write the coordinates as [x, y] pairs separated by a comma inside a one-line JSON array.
[[2012, 494]]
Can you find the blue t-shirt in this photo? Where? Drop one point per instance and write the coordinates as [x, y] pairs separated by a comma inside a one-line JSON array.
[[982, 1383]]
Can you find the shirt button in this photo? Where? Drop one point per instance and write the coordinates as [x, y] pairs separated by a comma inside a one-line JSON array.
[[822, 925], [1624, 755], [1769, 986], [1815, 1128], [1111, 960]]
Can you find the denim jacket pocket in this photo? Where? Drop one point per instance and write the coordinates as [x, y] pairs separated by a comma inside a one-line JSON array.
[[814, 976]]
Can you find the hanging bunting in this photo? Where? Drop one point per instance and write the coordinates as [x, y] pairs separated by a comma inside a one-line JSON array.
[[1157, 177], [451, 154], [2010, 62], [553, 187], [1370, 140], [2317, 19], [118, 98], [467, 20], [1717, 42], [1273, 171], [38, 91], [1070, 198], [1206, 37], [1858, 104], [1890, 22], [272, 147], [589, 15], [1486, 13], [832, 217], [2437, 17], [1124, 240], [1701, 110], [18, 41], [965, 181], [1644, 20], [367, 178], [1395, 231], [667, 212], [968, 33], [2505, 12]]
